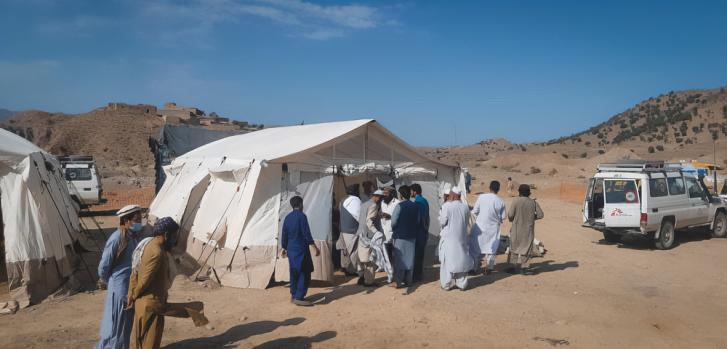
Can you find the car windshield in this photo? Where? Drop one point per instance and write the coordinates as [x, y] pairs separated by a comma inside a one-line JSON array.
[[78, 174]]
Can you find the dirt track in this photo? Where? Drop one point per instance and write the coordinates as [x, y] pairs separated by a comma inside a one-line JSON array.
[[586, 294]]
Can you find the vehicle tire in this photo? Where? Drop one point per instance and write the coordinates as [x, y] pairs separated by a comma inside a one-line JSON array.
[[667, 236], [610, 236], [719, 226]]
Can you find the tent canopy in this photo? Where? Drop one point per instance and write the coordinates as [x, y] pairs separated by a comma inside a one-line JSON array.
[[14, 148], [40, 222], [231, 195], [363, 139]]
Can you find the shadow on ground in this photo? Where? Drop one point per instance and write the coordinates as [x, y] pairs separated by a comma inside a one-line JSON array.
[[298, 342], [644, 242], [229, 338], [535, 269]]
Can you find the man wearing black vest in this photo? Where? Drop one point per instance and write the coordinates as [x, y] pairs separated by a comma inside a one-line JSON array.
[[347, 242]]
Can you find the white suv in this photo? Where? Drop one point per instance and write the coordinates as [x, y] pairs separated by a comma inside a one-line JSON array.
[[82, 178], [650, 198]]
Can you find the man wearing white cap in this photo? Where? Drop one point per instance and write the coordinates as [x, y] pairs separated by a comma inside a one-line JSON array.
[[369, 225], [445, 195], [454, 257], [114, 270]]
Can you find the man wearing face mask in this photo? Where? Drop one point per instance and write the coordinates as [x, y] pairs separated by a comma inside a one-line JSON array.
[[114, 270]]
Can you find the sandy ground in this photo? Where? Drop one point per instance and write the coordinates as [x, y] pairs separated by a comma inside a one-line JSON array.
[[585, 294]]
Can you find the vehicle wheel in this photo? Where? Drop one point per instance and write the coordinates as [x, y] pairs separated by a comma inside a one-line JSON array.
[[666, 236], [719, 229], [611, 236]]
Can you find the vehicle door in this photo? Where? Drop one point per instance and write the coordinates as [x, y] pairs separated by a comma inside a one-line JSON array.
[[622, 206], [698, 201], [679, 200], [593, 204]]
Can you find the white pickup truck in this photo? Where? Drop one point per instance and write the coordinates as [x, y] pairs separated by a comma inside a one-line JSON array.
[[650, 198]]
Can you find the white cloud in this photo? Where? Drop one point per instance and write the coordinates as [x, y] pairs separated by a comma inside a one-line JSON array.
[[307, 19]]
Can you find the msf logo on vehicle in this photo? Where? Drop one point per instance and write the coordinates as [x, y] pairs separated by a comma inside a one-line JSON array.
[[618, 213]]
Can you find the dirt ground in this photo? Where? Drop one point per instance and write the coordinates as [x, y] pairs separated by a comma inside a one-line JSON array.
[[585, 294]]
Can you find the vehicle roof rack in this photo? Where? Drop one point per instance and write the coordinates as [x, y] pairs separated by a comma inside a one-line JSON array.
[[639, 166], [75, 158]]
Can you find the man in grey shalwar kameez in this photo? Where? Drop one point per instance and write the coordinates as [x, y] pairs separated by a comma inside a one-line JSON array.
[[522, 213], [454, 254], [369, 225]]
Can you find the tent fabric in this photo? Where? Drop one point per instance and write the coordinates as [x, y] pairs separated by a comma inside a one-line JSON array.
[[175, 140], [232, 194], [40, 221]]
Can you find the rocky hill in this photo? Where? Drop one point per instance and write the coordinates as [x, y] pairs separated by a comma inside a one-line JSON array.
[[673, 127], [116, 135], [672, 120], [118, 139]]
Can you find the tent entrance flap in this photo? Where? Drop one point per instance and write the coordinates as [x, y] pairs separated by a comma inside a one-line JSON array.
[[316, 189]]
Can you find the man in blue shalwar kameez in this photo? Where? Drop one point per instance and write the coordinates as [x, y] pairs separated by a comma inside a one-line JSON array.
[[295, 241], [114, 270]]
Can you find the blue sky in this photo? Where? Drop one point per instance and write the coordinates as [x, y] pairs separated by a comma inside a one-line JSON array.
[[428, 70]]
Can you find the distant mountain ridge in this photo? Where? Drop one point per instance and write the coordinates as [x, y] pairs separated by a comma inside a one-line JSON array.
[[5, 114]]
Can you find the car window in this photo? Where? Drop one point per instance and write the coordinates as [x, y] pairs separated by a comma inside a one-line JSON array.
[[676, 185], [78, 174], [619, 191], [657, 187], [694, 188]]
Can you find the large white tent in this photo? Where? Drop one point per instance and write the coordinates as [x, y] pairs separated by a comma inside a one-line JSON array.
[[231, 195], [40, 223]]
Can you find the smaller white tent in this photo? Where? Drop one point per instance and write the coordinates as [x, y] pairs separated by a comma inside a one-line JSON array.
[[231, 196], [40, 222]]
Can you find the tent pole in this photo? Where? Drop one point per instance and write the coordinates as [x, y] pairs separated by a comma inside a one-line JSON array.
[[237, 245], [217, 225]]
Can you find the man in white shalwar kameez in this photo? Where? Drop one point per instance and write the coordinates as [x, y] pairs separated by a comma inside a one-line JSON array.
[[454, 257], [485, 237]]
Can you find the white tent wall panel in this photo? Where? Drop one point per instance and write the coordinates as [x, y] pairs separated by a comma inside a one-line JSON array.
[[23, 237], [190, 211], [261, 209], [40, 223], [182, 176], [214, 209]]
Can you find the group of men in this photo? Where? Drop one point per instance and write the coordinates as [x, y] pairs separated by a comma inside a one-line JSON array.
[[461, 253], [382, 232]]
